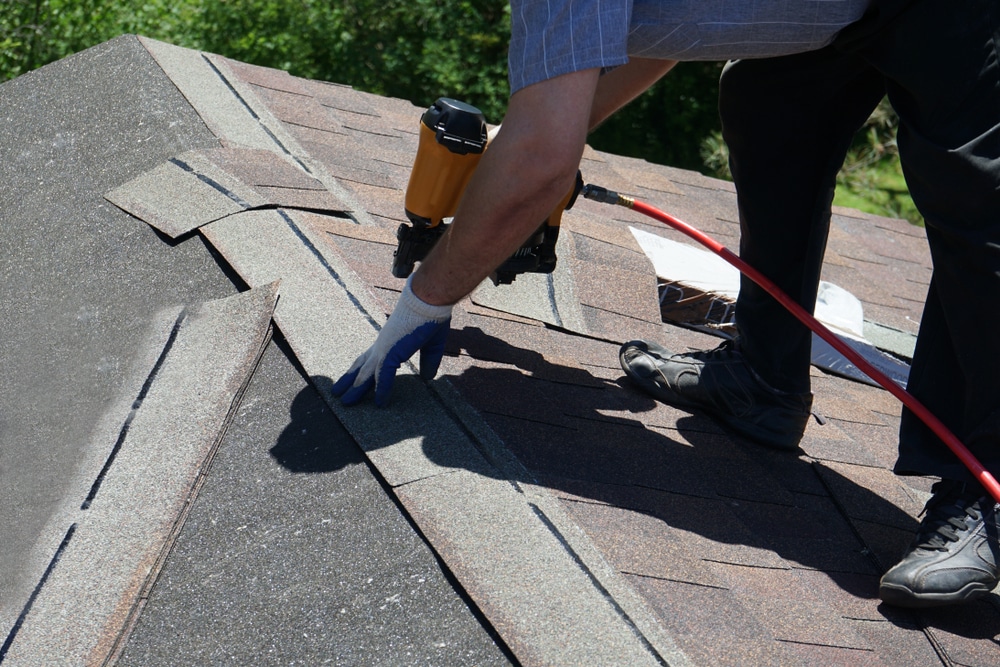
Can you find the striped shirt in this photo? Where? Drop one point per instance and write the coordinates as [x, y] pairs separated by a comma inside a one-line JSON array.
[[554, 37]]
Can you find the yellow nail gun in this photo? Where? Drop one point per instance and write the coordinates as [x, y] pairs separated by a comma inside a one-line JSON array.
[[453, 138]]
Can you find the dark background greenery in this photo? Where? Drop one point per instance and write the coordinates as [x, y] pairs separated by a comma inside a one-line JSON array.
[[418, 50]]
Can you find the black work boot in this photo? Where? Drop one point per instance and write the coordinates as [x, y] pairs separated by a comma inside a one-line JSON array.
[[954, 556], [721, 383]]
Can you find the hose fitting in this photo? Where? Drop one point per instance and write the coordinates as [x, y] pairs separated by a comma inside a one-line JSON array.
[[605, 196]]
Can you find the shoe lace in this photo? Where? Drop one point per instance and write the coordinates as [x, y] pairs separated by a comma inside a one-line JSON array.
[[724, 350], [946, 517]]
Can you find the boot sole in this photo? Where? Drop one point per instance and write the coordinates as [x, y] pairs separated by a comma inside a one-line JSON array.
[[900, 596]]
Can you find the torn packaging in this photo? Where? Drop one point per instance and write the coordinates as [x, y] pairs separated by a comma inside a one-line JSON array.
[[698, 290], [686, 306]]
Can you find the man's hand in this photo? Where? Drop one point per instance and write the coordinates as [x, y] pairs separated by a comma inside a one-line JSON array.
[[413, 325]]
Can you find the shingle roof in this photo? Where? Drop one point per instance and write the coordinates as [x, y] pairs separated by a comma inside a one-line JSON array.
[[713, 551]]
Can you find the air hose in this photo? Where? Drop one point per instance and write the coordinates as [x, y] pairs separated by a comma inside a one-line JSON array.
[[983, 475]]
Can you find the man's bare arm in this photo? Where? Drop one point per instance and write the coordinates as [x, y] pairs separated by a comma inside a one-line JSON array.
[[623, 84]]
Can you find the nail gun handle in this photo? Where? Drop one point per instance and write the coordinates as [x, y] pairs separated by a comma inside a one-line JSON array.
[[414, 244]]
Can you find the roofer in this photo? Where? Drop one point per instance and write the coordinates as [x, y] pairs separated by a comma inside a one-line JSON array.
[[788, 123], [790, 107], [572, 63]]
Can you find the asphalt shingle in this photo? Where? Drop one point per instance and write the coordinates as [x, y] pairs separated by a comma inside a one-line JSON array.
[[739, 556]]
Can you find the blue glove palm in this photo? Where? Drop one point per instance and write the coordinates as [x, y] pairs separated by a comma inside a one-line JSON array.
[[413, 325]]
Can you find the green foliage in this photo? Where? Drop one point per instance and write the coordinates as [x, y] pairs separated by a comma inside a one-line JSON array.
[[20, 33], [715, 156], [36, 32], [415, 49], [872, 177]]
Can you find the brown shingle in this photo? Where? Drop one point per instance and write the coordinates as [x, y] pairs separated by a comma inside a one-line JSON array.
[[710, 624], [746, 556]]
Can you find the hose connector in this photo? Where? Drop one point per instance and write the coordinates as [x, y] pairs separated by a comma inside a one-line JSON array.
[[605, 196]]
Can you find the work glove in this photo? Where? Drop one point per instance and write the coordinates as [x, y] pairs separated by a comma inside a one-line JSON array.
[[413, 325]]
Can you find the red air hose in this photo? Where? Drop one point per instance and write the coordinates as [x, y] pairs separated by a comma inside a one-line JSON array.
[[926, 416]]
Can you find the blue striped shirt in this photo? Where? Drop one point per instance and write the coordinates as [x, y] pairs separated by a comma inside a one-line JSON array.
[[554, 37]]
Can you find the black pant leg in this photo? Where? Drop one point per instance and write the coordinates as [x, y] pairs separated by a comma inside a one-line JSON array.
[[940, 62], [788, 123]]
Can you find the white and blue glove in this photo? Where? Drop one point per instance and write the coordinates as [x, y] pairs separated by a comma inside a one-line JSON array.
[[413, 325]]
